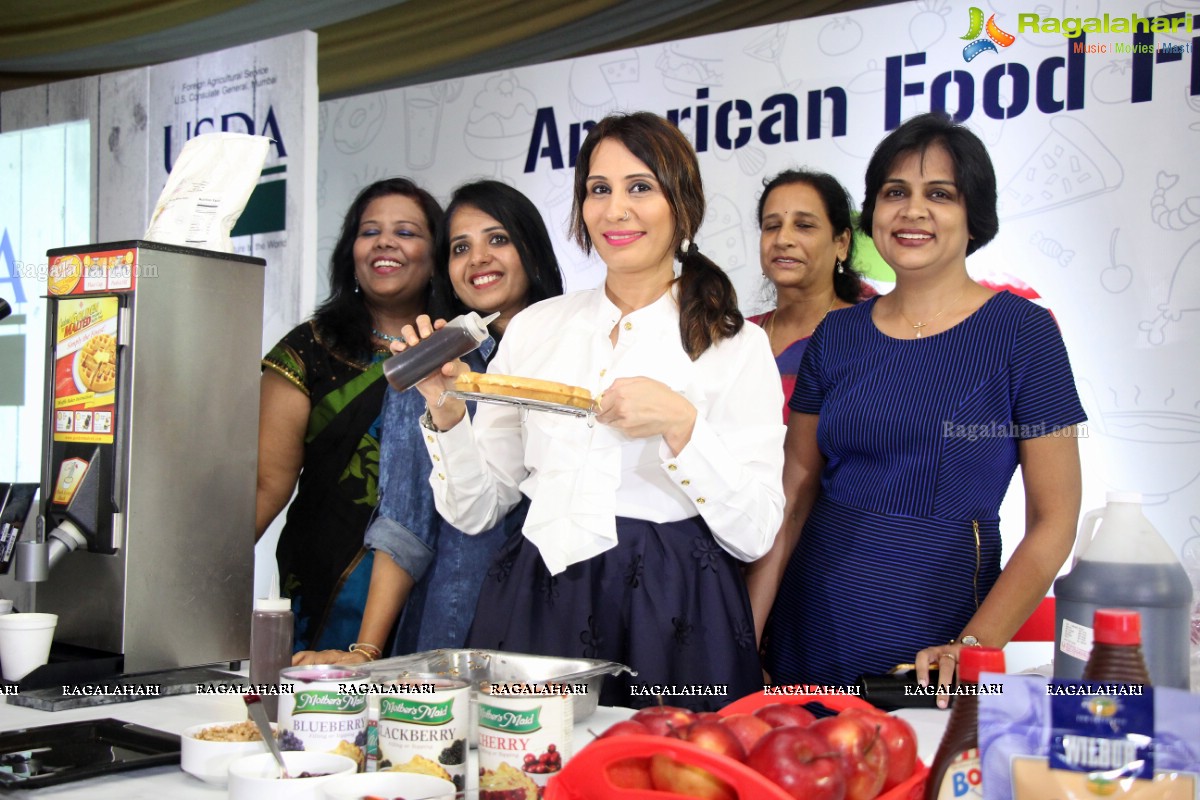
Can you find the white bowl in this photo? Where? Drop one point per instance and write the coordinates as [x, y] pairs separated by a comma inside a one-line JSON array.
[[209, 761], [408, 785], [257, 777]]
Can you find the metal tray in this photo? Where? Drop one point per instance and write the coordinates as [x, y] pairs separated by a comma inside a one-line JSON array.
[[495, 666], [525, 405], [52, 754]]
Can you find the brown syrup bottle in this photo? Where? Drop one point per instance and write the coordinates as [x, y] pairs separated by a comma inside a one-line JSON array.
[[955, 768], [1117, 648]]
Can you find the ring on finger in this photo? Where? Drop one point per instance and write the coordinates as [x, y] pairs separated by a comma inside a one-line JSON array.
[[948, 655]]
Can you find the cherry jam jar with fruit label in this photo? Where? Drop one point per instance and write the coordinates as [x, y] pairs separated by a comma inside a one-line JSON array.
[[423, 725], [324, 708], [525, 733]]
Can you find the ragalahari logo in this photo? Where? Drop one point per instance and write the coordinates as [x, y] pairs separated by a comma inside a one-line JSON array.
[[995, 36]]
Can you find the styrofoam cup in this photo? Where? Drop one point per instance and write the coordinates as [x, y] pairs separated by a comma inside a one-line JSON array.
[[5, 606], [25, 643]]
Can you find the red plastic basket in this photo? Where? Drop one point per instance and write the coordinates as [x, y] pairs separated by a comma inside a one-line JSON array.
[[586, 777]]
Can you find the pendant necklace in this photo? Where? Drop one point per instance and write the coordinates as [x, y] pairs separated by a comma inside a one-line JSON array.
[[919, 325]]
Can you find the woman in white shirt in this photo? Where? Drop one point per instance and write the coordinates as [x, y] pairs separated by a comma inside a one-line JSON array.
[[636, 525]]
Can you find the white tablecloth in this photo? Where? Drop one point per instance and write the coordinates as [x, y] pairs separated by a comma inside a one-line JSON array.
[[173, 714]]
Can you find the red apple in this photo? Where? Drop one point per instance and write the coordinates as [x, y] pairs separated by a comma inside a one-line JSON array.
[[712, 715], [669, 775], [800, 762], [630, 773], [713, 736], [661, 720], [625, 727], [779, 715], [747, 728], [900, 740], [864, 756]]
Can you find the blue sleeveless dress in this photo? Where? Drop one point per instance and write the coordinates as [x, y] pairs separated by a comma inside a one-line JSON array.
[[920, 442]]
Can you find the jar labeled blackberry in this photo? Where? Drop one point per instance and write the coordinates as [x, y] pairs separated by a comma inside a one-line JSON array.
[[423, 724]]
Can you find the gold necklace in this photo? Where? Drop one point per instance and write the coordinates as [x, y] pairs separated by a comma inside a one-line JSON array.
[[919, 325], [770, 327]]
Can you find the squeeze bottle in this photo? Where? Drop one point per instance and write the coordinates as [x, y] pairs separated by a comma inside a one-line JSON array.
[[270, 643], [956, 765], [459, 336]]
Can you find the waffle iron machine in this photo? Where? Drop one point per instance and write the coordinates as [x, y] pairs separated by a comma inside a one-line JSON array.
[[145, 543]]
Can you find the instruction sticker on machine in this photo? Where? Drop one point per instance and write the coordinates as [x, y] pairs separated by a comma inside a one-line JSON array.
[[101, 271], [85, 369]]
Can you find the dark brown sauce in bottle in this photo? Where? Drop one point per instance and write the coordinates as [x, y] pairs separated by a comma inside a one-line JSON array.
[[1117, 648], [956, 765]]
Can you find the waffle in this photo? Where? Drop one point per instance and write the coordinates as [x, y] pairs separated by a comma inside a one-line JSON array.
[[97, 363]]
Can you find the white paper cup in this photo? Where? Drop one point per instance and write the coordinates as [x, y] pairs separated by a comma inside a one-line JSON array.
[[25, 643], [5, 606]]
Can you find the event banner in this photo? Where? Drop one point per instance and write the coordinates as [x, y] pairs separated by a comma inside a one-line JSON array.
[[268, 89], [1090, 110]]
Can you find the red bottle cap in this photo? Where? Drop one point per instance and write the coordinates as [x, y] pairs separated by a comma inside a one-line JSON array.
[[974, 660], [1117, 626]]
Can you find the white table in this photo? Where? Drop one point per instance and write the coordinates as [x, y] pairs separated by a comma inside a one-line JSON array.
[[173, 714]]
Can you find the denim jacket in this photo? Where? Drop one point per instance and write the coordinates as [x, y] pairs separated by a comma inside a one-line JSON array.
[[447, 565]]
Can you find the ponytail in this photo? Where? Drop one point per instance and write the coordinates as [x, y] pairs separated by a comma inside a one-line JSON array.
[[708, 307]]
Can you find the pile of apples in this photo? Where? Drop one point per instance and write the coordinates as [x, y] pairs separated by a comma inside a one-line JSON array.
[[855, 755]]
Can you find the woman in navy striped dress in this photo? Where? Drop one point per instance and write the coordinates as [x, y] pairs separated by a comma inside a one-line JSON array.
[[911, 414]]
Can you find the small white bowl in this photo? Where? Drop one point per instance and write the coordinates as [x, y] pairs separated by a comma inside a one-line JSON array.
[[257, 777], [408, 785], [209, 761]]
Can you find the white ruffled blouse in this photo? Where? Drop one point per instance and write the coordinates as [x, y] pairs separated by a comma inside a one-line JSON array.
[[580, 478]]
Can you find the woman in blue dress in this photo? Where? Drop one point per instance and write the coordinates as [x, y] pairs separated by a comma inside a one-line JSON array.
[[911, 413]]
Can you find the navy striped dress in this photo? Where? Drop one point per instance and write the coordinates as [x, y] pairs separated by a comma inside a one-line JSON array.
[[920, 442]]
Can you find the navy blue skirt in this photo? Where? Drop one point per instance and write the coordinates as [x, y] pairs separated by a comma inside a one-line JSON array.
[[668, 601]]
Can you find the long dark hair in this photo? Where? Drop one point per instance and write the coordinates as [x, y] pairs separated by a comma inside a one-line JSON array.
[[343, 319], [708, 308], [517, 215], [847, 284], [973, 172]]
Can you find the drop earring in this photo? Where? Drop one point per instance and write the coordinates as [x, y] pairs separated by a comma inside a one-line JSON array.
[[357, 288], [838, 266]]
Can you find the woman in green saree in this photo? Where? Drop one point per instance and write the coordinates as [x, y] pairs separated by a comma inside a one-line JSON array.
[[322, 392]]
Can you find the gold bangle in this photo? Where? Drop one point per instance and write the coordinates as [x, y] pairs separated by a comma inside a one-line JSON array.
[[367, 649]]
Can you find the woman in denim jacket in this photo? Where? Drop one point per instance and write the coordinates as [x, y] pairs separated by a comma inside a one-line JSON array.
[[496, 256]]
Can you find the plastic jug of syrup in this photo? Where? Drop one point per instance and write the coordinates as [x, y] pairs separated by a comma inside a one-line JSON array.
[[1125, 564]]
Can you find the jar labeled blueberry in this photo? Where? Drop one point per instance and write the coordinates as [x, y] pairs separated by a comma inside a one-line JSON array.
[[324, 708]]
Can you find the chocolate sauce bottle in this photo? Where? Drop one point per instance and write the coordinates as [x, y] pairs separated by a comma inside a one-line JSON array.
[[1117, 648], [955, 771], [459, 336]]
